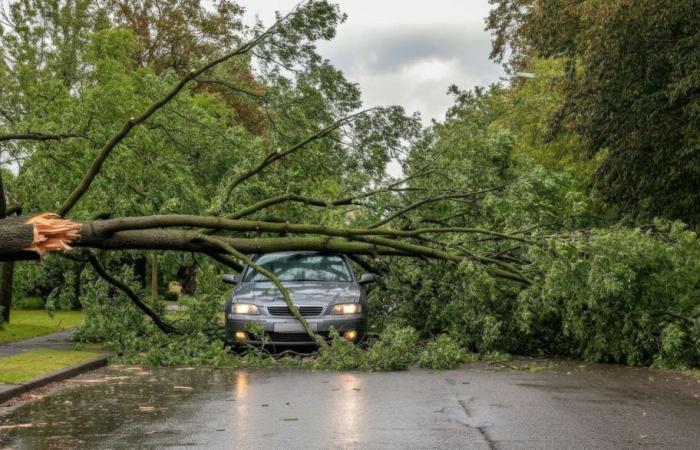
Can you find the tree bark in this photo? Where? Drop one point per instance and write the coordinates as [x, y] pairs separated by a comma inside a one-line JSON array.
[[6, 282], [7, 269], [154, 277], [15, 238], [165, 233]]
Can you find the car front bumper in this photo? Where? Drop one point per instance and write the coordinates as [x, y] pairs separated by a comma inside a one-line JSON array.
[[288, 331]]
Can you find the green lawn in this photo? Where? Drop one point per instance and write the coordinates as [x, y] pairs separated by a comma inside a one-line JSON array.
[[26, 366], [25, 324]]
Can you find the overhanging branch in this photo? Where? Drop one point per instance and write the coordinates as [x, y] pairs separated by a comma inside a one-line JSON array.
[[107, 148]]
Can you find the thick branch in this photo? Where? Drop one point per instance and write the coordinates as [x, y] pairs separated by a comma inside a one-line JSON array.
[[359, 234], [218, 223], [186, 241]]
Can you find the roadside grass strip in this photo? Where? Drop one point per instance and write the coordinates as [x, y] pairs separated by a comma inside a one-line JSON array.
[[26, 324], [17, 369]]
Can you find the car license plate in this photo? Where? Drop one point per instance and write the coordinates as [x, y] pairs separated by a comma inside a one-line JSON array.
[[291, 327]]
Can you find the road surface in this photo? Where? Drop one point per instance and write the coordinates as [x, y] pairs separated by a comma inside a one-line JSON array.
[[572, 405]]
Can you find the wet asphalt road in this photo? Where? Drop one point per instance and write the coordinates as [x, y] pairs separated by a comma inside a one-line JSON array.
[[570, 406]]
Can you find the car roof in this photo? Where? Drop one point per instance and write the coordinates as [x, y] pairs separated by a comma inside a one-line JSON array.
[[302, 252]]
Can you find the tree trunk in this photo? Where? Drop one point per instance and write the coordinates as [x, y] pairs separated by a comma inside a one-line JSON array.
[[141, 270], [6, 278], [187, 276], [154, 277], [15, 238], [77, 286], [7, 269]]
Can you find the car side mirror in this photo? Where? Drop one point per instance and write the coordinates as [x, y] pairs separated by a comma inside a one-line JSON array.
[[367, 278], [229, 279]]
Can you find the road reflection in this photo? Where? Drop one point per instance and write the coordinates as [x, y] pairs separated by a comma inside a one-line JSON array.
[[347, 404], [241, 407]]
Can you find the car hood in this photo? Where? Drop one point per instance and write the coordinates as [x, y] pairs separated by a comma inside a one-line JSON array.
[[302, 291]]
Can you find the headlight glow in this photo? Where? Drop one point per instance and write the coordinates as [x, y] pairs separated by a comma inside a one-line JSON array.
[[347, 308], [244, 308]]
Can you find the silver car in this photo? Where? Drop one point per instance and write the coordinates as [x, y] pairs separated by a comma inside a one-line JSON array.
[[323, 287]]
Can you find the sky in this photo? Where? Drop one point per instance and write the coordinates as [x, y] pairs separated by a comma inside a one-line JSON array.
[[406, 52]]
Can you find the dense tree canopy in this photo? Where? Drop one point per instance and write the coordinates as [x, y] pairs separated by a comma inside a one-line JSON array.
[[631, 91]]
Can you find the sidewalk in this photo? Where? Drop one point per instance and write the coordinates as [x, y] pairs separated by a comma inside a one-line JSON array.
[[56, 342]]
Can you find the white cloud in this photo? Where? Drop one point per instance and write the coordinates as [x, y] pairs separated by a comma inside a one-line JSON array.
[[406, 52]]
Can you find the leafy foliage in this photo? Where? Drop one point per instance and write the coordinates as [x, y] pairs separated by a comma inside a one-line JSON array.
[[442, 353], [627, 296], [396, 349], [631, 91]]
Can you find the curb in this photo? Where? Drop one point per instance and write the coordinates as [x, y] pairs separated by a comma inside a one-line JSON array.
[[53, 377]]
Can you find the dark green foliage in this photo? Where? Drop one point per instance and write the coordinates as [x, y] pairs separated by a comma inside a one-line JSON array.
[[632, 91], [170, 296]]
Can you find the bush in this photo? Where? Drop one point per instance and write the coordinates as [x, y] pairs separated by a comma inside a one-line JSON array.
[[442, 353], [341, 355], [27, 303], [618, 295], [396, 349]]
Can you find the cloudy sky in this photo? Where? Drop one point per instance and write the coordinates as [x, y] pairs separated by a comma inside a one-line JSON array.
[[406, 52]]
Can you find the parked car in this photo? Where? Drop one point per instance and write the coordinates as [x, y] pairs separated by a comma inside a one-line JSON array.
[[323, 286]]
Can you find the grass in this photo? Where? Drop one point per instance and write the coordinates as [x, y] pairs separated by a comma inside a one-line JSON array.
[[26, 366], [25, 324]]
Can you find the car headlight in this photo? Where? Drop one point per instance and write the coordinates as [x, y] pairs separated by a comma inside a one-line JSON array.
[[244, 308], [347, 308]]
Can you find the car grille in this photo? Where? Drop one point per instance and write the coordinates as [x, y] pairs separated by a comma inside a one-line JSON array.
[[304, 310], [293, 337]]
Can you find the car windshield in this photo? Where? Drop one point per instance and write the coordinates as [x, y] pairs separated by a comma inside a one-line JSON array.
[[301, 267]]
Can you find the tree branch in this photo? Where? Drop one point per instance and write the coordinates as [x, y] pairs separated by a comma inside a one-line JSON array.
[[163, 326], [226, 261], [276, 156], [433, 199], [36, 136], [107, 148], [283, 198]]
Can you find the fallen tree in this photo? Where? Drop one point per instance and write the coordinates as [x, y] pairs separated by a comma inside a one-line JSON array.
[[224, 235]]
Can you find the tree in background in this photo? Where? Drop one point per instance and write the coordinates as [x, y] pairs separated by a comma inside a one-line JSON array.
[[632, 93]]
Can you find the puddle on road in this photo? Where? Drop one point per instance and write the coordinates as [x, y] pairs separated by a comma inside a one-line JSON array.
[[94, 406]]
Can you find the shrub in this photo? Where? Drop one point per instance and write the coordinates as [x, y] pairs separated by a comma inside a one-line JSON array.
[[618, 295], [341, 355], [442, 353], [396, 349]]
